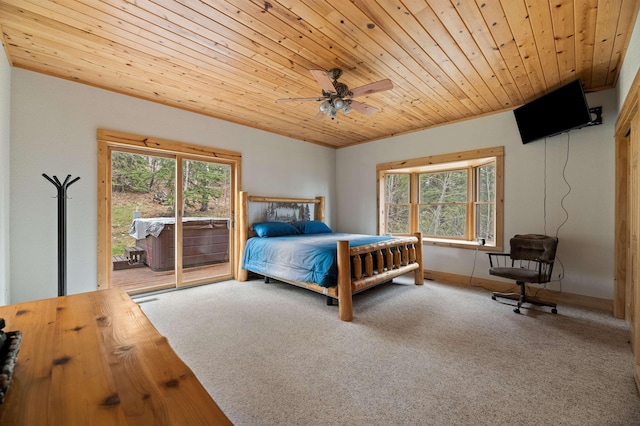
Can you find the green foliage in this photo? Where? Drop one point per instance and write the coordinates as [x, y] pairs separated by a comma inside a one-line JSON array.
[[443, 220], [485, 210], [204, 183], [398, 219], [485, 214], [129, 173], [445, 196], [487, 182], [397, 188], [444, 187], [120, 221], [397, 203], [147, 183]]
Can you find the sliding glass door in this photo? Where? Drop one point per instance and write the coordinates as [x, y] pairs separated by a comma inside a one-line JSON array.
[[206, 219], [142, 221], [169, 217]]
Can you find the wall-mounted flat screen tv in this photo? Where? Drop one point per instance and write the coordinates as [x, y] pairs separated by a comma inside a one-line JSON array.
[[558, 111]]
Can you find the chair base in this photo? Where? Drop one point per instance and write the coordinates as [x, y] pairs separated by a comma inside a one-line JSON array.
[[522, 297]]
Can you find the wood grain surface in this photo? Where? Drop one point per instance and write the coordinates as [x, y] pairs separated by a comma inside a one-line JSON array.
[[447, 60], [95, 359]]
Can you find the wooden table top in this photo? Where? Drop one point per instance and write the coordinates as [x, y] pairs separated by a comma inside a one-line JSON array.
[[95, 359]]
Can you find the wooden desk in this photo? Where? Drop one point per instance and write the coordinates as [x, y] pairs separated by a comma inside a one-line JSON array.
[[95, 359]]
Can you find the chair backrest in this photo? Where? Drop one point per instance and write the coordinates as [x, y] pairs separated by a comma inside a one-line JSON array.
[[533, 247]]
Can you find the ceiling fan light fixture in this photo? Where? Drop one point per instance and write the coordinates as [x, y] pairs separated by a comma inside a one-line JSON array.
[[336, 95], [325, 107]]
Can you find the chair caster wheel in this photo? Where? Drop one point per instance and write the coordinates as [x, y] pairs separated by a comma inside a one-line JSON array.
[[516, 310], [493, 297], [554, 311]]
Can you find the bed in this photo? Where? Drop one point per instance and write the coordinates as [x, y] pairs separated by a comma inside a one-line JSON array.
[[337, 265]]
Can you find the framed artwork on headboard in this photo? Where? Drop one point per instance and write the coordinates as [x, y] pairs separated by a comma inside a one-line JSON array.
[[280, 212]]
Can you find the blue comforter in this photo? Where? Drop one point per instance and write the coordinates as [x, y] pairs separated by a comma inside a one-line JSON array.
[[309, 258]]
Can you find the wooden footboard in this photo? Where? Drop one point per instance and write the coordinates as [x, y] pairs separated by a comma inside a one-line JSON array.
[[363, 267]]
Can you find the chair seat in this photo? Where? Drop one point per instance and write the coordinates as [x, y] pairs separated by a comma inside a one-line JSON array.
[[517, 274]]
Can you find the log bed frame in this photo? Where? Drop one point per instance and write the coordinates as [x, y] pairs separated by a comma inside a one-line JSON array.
[[355, 264]]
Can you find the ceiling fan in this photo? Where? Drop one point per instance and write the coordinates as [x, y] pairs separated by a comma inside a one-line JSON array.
[[336, 96]]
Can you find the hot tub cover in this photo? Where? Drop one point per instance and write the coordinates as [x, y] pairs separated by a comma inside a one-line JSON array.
[[142, 227]]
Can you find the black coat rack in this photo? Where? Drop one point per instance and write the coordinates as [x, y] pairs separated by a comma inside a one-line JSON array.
[[62, 229]]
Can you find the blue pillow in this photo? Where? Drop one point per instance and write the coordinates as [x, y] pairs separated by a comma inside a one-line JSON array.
[[274, 229], [312, 227]]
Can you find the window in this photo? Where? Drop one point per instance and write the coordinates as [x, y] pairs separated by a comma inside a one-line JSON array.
[[453, 199], [397, 204]]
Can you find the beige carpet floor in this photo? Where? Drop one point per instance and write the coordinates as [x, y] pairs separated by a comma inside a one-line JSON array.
[[275, 354]]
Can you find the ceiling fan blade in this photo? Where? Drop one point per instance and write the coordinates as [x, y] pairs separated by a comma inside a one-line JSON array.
[[324, 80], [367, 89], [299, 99], [363, 108]]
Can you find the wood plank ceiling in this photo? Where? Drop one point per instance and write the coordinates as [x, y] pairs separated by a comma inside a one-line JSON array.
[[448, 60]]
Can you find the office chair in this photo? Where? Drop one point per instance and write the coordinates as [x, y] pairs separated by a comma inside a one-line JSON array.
[[530, 260]]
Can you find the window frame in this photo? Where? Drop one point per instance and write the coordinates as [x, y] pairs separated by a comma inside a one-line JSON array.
[[472, 160]]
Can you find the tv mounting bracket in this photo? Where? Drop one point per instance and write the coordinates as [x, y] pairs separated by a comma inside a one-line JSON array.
[[597, 112]]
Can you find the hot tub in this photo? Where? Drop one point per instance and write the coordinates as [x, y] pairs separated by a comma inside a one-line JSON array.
[[205, 241]]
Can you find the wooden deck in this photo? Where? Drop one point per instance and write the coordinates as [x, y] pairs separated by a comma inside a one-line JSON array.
[[133, 280]]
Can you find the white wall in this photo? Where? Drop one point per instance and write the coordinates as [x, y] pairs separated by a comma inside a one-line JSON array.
[[586, 240], [630, 65], [5, 115], [53, 131]]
